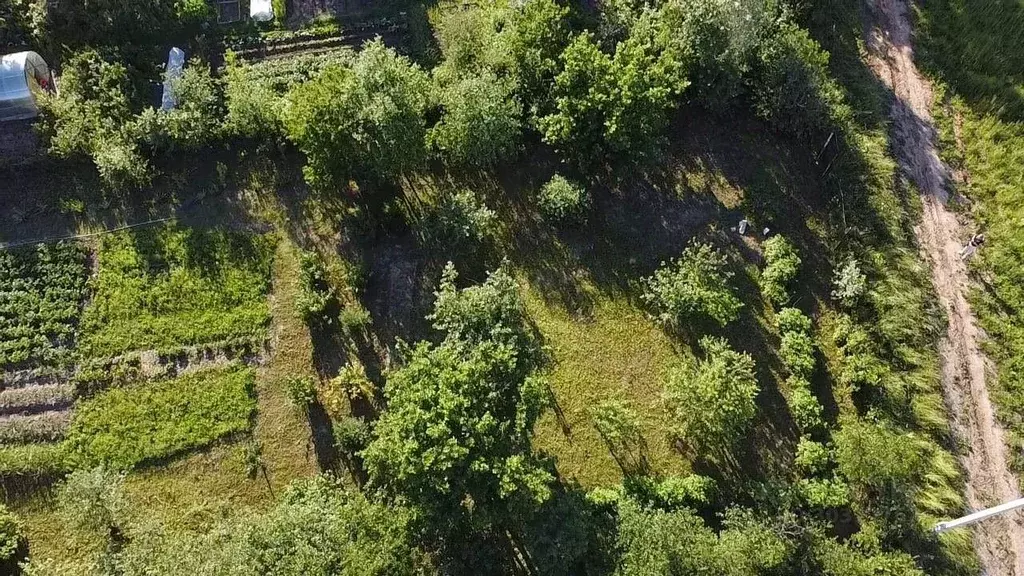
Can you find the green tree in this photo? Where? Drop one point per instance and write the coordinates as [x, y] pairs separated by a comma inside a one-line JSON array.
[[712, 400], [658, 543], [460, 415], [696, 285], [563, 201], [615, 106], [364, 120], [481, 123]]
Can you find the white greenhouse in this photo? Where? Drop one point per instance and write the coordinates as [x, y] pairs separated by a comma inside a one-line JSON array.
[[23, 77]]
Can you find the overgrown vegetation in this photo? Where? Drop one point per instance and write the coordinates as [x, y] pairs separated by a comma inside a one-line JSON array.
[[125, 427], [167, 287], [456, 444]]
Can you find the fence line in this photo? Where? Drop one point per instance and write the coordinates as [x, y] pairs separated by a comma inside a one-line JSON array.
[[9, 245]]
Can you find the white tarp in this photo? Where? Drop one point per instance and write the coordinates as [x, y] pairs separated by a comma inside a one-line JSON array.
[[22, 77], [175, 63], [261, 10]]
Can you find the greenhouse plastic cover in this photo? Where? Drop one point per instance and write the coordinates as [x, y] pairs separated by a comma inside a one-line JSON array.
[[261, 10], [20, 73], [175, 63]]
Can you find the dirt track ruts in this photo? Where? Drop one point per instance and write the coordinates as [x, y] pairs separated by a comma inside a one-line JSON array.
[[999, 541]]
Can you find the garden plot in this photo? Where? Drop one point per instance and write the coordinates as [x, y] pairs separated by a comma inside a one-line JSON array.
[[173, 316]]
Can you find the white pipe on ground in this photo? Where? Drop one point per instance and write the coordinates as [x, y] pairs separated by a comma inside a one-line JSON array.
[[979, 515]]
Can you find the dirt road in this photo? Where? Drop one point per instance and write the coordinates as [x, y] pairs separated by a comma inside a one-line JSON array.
[[999, 541]]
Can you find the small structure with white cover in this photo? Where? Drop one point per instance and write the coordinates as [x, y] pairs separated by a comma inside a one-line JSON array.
[[24, 77], [261, 10]]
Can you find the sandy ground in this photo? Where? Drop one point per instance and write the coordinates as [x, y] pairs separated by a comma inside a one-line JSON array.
[[998, 541]]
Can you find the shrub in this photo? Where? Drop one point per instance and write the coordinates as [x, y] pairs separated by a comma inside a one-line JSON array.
[[459, 217], [849, 284], [875, 455], [11, 537], [805, 408], [712, 401], [694, 285], [351, 434], [811, 457], [195, 120], [781, 266], [301, 391], [618, 424], [93, 501], [316, 295], [797, 353], [354, 318], [481, 122], [694, 491], [824, 493], [125, 427], [792, 320], [562, 201]]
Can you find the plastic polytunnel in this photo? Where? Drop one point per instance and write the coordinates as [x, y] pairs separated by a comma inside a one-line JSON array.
[[24, 76]]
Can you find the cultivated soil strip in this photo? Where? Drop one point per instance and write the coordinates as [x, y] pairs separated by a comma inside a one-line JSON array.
[[998, 541]]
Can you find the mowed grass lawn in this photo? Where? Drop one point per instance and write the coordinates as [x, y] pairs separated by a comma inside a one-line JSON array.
[[615, 352]]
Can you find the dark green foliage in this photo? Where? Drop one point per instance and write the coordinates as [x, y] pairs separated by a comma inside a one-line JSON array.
[[42, 289], [563, 201], [781, 266], [693, 286], [481, 121], [168, 286], [125, 427], [712, 400], [366, 120]]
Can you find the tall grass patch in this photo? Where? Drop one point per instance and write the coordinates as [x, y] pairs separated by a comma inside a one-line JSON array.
[[166, 287], [125, 427]]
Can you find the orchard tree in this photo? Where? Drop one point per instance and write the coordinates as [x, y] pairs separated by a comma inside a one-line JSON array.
[[481, 123], [654, 542], [696, 285], [364, 120], [712, 400], [615, 105], [455, 436]]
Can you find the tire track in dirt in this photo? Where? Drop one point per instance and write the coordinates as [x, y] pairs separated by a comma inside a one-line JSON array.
[[999, 541]]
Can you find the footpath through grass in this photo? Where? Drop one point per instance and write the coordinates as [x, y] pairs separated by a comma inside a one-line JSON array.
[[975, 54]]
